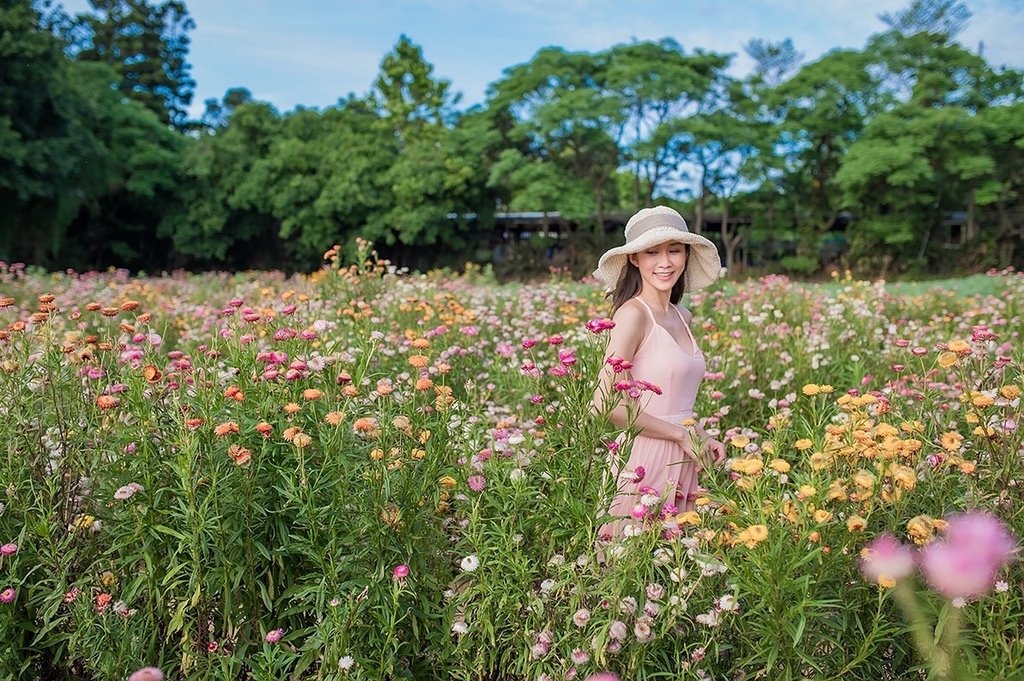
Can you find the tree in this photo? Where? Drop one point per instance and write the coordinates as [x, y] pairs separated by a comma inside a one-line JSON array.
[[147, 44], [223, 217], [773, 61], [427, 177], [217, 114], [656, 84], [556, 109], [820, 111], [945, 17]]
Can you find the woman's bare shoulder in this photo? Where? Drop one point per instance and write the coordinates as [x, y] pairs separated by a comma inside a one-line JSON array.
[[630, 311]]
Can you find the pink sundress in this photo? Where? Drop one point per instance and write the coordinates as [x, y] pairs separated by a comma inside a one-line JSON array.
[[667, 470]]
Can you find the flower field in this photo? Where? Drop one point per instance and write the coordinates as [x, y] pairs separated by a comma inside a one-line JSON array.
[[360, 474]]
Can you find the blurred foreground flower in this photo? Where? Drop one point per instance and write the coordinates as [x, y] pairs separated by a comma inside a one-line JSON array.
[[966, 563], [147, 674], [886, 560], [962, 565]]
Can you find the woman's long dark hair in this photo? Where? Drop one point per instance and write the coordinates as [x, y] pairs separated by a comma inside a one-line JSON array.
[[630, 283]]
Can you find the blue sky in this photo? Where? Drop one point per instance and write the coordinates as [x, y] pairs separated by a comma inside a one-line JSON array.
[[306, 52]]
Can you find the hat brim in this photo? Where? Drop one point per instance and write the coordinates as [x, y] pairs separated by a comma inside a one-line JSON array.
[[703, 266]]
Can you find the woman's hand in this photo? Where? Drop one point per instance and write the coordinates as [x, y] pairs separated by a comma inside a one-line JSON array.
[[714, 451], [685, 440]]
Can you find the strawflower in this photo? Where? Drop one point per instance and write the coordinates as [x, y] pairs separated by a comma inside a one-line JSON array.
[[147, 674], [886, 560]]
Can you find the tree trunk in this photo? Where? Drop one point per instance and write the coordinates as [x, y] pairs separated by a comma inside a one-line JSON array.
[[636, 187], [698, 218], [730, 239], [972, 218]]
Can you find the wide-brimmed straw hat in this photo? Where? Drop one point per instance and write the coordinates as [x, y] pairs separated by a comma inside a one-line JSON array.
[[654, 226]]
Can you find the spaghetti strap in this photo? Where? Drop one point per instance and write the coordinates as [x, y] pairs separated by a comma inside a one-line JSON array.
[[693, 341], [650, 312]]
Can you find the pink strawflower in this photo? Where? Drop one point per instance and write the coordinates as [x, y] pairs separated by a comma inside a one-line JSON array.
[[274, 636], [8, 595], [965, 564], [886, 558], [400, 572], [602, 676], [476, 482], [8, 549], [147, 674], [983, 535]]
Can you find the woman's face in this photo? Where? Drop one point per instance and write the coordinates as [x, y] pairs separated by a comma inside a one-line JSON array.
[[661, 266]]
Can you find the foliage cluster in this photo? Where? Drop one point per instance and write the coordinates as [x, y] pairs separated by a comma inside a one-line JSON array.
[[363, 474], [884, 158]]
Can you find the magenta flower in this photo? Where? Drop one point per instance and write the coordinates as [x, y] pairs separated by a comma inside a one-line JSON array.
[[599, 325], [8, 549], [274, 636], [602, 676], [618, 364], [476, 483], [147, 674], [400, 572], [886, 558], [8, 595]]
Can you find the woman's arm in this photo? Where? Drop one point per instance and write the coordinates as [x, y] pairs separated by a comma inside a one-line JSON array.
[[712, 449], [631, 324]]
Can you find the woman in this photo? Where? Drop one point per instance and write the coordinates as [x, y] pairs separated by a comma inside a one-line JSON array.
[[653, 365]]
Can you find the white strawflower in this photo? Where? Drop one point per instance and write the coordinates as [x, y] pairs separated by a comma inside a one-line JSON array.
[[470, 563], [346, 662]]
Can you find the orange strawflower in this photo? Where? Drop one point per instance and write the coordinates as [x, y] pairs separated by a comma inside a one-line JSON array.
[[151, 373], [106, 401], [239, 454], [226, 428]]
